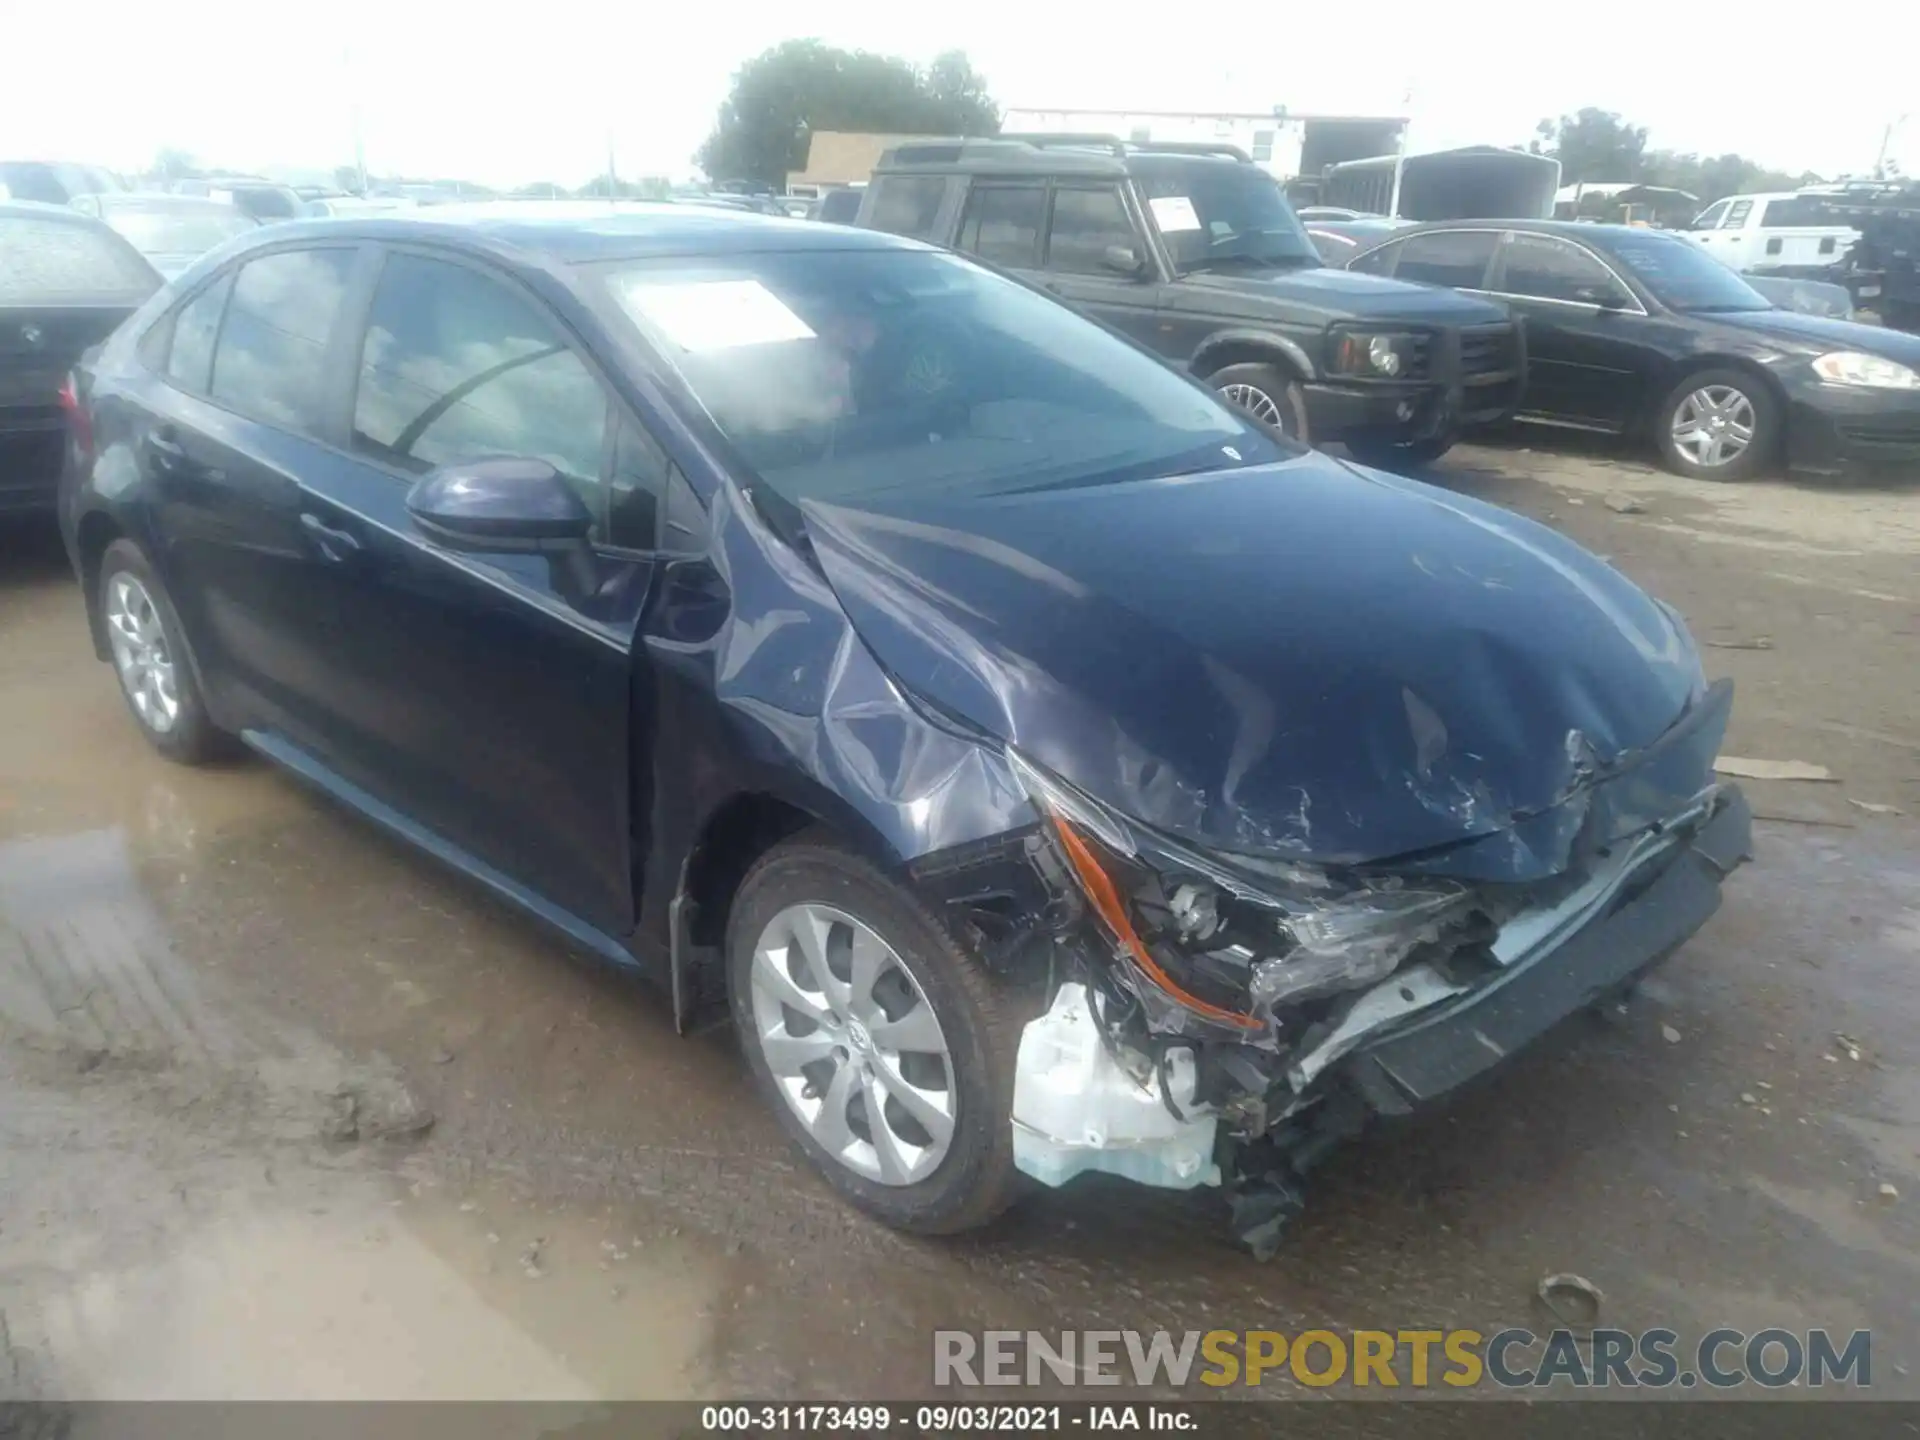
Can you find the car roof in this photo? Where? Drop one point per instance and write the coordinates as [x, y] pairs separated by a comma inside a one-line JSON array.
[[34, 209], [1581, 230], [585, 230]]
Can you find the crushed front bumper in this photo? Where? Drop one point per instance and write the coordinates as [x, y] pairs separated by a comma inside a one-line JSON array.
[[1652, 910]]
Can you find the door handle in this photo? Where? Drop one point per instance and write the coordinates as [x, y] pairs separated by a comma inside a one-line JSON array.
[[166, 451], [336, 545]]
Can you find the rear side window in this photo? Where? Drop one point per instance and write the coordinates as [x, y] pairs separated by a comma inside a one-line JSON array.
[[56, 258], [907, 204], [1794, 210], [195, 328], [270, 362], [1447, 257], [456, 366], [1085, 223], [1002, 223]]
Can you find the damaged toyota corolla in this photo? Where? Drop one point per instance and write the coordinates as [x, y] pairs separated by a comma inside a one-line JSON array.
[[1051, 770]]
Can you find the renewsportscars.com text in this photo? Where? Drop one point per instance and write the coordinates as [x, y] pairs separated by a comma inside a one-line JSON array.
[[1510, 1359]]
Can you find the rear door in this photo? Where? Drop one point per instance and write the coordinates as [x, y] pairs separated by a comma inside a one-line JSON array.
[[488, 697], [1090, 226], [236, 424], [66, 282], [1589, 351]]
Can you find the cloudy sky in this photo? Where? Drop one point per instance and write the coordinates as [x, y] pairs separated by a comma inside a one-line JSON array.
[[514, 94]]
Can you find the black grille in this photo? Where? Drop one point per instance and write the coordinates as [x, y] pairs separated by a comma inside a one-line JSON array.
[[1488, 350], [1419, 362]]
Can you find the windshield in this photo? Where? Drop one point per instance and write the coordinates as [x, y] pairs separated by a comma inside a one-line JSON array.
[[158, 231], [839, 375], [1218, 214], [1681, 275]]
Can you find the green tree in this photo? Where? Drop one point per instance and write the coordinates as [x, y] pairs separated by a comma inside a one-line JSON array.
[[1593, 145], [1713, 177], [172, 164], [784, 94]]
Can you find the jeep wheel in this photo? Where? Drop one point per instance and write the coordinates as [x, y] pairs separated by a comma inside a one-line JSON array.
[[1267, 394]]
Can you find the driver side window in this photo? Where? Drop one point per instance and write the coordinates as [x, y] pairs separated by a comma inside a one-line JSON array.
[[457, 366], [1085, 223]]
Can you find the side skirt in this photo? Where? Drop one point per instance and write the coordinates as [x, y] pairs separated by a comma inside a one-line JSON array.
[[303, 766]]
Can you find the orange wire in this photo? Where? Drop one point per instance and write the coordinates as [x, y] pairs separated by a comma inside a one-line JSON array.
[[1106, 899]]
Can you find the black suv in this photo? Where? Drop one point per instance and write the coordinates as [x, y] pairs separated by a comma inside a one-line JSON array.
[[1194, 252]]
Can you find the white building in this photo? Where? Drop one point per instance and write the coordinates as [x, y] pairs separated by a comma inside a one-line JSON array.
[[1283, 144]]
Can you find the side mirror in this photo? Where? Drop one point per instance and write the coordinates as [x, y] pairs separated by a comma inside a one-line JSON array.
[[507, 505], [510, 506], [1122, 259], [1605, 296]]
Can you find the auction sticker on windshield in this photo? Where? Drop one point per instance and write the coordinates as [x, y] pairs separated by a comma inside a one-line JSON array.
[[715, 314], [1174, 212]]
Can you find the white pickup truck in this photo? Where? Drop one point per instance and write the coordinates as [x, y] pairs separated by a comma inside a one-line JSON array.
[[1772, 234]]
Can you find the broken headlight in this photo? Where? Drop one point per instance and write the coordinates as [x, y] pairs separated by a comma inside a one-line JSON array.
[[1231, 944]]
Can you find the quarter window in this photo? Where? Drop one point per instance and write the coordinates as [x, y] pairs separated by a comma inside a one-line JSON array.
[[271, 360], [1737, 216], [907, 204], [1447, 257], [455, 366], [190, 361], [1547, 269], [1085, 223], [1002, 224]]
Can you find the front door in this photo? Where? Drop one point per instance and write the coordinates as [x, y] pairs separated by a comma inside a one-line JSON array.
[[493, 696], [1090, 232], [1587, 350]]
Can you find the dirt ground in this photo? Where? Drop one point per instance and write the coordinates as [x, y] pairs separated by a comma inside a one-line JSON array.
[[286, 1110]]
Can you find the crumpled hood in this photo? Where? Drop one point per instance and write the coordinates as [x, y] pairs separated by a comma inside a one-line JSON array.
[[1300, 660]]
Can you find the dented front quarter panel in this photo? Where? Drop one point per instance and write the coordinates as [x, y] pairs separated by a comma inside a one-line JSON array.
[[1299, 661]]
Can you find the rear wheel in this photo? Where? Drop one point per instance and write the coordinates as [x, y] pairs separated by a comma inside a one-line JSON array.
[[1718, 425], [886, 1053], [150, 659], [1269, 395]]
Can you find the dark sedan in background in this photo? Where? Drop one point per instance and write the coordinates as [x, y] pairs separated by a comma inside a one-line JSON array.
[[1639, 332], [989, 715], [65, 282], [172, 231]]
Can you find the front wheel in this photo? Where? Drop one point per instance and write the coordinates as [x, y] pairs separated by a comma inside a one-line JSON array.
[[1718, 425], [886, 1053], [1385, 455], [1269, 395]]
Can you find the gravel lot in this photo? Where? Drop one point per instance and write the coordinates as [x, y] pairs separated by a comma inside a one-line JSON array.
[[228, 1014]]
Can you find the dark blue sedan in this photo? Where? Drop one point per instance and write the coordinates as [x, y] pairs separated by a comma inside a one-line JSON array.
[[1047, 768]]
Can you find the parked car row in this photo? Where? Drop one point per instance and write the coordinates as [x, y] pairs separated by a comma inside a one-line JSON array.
[[1048, 767], [1640, 332]]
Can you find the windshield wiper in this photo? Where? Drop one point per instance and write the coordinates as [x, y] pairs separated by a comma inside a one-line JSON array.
[[1262, 262]]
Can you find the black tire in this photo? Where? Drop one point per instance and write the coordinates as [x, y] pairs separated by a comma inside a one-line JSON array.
[[1768, 424], [1274, 387], [1384, 455], [976, 1180], [192, 738]]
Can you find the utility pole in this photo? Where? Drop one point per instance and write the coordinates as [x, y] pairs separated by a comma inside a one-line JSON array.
[[1886, 143], [1400, 154], [613, 175]]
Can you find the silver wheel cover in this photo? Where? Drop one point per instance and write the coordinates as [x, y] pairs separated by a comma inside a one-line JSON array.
[[853, 1044], [1713, 426], [141, 655]]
